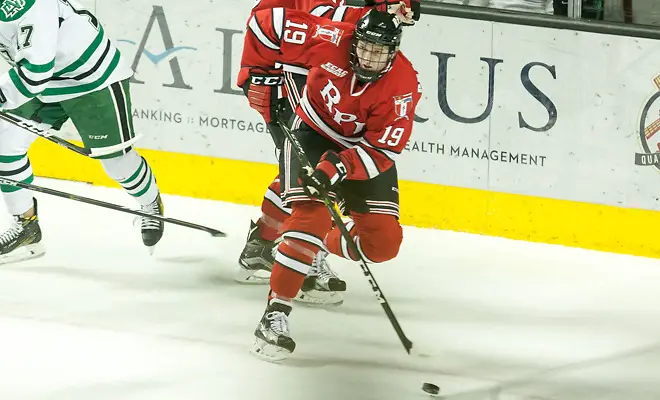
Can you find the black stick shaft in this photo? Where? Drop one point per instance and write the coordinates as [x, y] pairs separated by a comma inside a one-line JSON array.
[[42, 133], [99, 203], [300, 153]]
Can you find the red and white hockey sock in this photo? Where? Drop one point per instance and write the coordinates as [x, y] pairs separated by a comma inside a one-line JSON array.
[[309, 222], [274, 214]]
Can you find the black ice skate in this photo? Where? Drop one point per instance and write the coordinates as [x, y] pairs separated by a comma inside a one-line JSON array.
[[256, 260], [152, 229], [272, 340], [322, 286], [22, 241]]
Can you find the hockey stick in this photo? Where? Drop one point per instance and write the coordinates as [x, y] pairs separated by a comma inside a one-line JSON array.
[[300, 153], [32, 128], [9, 182]]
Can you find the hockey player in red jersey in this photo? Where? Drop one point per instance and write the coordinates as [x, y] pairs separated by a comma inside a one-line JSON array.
[[322, 285], [354, 117], [264, 90]]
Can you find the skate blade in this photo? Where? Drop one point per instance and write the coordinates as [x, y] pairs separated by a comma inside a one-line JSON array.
[[151, 250], [252, 277], [23, 253], [268, 352], [317, 298]]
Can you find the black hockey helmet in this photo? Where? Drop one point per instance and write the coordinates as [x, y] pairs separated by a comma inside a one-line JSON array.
[[375, 44]]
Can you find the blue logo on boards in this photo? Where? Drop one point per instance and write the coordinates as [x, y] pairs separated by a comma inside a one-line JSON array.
[[156, 58]]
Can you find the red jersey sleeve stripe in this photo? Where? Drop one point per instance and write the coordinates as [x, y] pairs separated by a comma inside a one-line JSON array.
[[321, 11], [278, 22], [260, 35], [338, 15], [369, 163]]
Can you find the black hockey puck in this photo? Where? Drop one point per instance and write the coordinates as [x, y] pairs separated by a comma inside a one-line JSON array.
[[430, 388]]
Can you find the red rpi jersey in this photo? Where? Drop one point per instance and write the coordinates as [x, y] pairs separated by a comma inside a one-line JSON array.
[[319, 7], [372, 121], [333, 9]]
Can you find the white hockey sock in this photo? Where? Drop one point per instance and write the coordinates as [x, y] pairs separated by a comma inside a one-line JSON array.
[[17, 168], [133, 173]]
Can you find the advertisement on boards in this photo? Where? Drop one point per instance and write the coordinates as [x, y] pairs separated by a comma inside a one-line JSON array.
[[536, 111], [599, 85], [525, 110], [461, 84], [186, 58]]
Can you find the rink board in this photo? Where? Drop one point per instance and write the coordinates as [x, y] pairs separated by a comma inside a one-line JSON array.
[[523, 132], [534, 219]]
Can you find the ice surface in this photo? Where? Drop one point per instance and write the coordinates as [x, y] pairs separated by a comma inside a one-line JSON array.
[[97, 318]]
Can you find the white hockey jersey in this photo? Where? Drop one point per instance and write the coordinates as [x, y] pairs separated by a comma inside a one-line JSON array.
[[57, 51]]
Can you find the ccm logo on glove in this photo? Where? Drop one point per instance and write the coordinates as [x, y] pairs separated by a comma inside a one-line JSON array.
[[261, 91], [265, 80]]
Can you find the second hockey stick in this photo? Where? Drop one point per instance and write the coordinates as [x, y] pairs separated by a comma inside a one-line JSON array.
[[307, 166], [99, 203], [31, 127]]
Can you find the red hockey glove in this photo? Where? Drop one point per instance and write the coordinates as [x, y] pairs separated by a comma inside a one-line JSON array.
[[261, 91], [329, 172]]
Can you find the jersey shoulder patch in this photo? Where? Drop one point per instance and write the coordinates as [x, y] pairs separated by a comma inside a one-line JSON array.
[[11, 10]]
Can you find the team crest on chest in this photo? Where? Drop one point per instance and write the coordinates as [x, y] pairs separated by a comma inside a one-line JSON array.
[[401, 105], [12, 7], [329, 34]]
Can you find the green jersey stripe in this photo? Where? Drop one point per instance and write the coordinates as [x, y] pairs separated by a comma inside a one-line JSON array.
[[30, 82], [85, 56], [19, 84], [85, 87], [37, 68]]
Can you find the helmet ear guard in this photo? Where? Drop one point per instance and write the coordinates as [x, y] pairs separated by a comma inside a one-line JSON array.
[[380, 30]]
